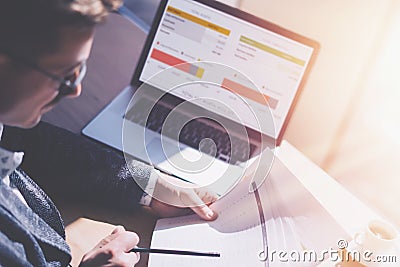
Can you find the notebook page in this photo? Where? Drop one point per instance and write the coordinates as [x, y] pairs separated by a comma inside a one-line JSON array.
[[236, 234]]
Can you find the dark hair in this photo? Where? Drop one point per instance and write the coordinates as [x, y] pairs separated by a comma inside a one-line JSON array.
[[32, 27]]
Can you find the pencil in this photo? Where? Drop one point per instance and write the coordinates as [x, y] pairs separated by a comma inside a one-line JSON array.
[[175, 252]]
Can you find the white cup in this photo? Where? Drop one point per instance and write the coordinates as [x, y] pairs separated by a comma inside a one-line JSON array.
[[379, 237]]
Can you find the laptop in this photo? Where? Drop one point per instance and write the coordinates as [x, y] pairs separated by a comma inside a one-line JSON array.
[[214, 87]]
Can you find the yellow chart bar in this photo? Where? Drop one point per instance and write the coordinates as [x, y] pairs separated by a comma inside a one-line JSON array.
[[272, 50], [198, 20], [200, 73]]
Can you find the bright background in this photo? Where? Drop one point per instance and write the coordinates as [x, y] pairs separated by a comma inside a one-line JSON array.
[[347, 120]]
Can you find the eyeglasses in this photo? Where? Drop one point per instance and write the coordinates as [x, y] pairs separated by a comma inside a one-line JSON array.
[[68, 84]]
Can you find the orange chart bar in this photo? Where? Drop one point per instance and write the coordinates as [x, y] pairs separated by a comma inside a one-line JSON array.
[[177, 63], [198, 20], [249, 93]]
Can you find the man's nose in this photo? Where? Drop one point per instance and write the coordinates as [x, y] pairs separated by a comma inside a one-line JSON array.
[[78, 89], [77, 92]]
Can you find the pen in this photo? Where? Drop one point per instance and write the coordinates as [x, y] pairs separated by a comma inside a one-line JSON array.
[[175, 252], [170, 174], [175, 176]]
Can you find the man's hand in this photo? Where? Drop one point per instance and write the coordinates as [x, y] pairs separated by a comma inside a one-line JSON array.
[[172, 195], [113, 250]]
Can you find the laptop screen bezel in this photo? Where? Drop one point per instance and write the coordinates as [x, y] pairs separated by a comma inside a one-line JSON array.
[[135, 82]]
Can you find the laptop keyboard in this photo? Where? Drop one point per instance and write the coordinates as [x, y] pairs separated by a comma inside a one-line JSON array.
[[196, 133]]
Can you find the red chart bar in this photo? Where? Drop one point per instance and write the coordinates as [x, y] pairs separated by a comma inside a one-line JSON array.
[[249, 93], [170, 60]]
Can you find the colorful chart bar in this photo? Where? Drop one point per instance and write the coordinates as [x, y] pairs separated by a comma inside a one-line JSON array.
[[249, 93], [271, 50], [198, 20], [177, 63]]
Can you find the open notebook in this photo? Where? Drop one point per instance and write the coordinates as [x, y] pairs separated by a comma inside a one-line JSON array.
[[294, 221]]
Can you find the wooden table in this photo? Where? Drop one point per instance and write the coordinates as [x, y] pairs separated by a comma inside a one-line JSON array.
[[115, 52]]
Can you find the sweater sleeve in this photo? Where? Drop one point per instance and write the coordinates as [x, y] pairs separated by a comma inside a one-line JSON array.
[[69, 165], [12, 253]]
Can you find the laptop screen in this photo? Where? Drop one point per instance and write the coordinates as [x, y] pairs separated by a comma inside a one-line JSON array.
[[275, 60]]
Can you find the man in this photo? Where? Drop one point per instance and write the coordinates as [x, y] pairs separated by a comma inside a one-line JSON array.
[[44, 46]]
